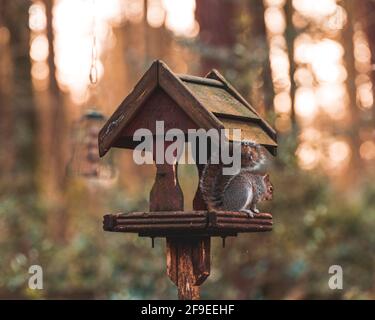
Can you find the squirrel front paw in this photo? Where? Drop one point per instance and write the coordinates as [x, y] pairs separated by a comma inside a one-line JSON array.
[[255, 210], [249, 212]]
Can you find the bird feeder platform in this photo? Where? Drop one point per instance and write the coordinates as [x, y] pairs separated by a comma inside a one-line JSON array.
[[187, 224]]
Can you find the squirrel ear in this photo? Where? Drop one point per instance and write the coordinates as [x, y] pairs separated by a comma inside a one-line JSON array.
[[266, 177]]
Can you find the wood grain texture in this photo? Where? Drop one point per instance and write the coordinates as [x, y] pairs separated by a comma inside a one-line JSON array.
[[124, 113], [214, 74], [199, 99], [187, 224], [176, 89], [160, 107], [186, 280], [200, 80]]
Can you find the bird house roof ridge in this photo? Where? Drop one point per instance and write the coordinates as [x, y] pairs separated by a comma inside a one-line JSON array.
[[200, 80]]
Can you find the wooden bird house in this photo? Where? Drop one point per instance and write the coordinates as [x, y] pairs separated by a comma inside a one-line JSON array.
[[184, 102]]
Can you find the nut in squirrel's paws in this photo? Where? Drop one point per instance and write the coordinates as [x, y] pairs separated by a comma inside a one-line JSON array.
[[250, 213]]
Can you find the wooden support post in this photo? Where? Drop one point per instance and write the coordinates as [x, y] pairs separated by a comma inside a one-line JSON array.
[[166, 193], [188, 259]]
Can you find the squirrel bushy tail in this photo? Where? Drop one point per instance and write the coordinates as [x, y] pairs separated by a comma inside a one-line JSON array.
[[209, 185], [213, 182]]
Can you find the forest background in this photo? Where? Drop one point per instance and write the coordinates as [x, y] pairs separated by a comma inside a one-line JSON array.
[[307, 67]]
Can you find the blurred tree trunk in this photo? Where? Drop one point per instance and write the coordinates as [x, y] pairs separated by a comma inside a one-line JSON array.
[[259, 39], [18, 105], [54, 133], [19, 110], [217, 30], [368, 18], [7, 157], [290, 37], [146, 33], [349, 58], [58, 116]]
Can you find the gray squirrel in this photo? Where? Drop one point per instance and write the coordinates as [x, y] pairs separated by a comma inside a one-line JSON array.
[[242, 191]]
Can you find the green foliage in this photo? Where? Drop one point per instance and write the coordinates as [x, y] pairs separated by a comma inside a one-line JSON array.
[[314, 227]]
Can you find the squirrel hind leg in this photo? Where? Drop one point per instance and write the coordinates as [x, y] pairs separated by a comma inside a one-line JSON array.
[[237, 195]]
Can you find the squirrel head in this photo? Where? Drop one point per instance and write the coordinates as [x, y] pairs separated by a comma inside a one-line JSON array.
[[252, 155], [268, 194]]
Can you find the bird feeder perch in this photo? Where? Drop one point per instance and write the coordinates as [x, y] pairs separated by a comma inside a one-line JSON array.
[[183, 102]]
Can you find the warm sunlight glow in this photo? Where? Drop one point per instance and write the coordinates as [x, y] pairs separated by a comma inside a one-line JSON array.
[[320, 77], [275, 20], [155, 13], [336, 21], [74, 27], [362, 55], [37, 17], [324, 56], [328, 72], [308, 156], [362, 51], [326, 61], [279, 66], [338, 151], [332, 100], [322, 61], [303, 49], [304, 77], [75, 23], [364, 95], [320, 73], [311, 135], [306, 106], [274, 3], [309, 50], [315, 8], [180, 17], [39, 48], [40, 70], [133, 10], [367, 150], [282, 102], [338, 155]]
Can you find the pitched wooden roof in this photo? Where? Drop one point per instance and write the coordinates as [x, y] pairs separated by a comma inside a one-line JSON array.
[[211, 102]]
